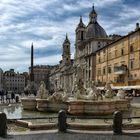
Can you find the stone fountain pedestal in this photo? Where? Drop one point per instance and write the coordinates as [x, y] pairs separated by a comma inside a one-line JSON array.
[[45, 105], [29, 103], [83, 103], [77, 107], [103, 107]]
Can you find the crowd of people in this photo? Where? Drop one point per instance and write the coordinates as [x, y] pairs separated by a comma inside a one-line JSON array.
[[7, 97]]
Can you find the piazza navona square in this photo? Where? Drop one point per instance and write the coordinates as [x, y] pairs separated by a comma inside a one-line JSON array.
[[73, 69]]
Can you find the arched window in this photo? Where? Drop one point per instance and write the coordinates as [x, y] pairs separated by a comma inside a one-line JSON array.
[[82, 35]]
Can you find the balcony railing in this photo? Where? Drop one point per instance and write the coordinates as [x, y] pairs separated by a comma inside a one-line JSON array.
[[120, 69], [119, 80], [133, 78]]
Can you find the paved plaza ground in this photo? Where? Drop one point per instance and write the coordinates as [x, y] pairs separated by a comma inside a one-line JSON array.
[[74, 135]]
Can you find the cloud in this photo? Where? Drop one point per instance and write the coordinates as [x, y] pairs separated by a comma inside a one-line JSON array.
[[45, 23], [51, 60]]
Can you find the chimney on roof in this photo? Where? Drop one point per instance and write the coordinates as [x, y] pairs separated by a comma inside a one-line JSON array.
[[137, 26]]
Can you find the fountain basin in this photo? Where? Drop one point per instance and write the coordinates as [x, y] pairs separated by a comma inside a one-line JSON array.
[[29, 103], [103, 107], [45, 105]]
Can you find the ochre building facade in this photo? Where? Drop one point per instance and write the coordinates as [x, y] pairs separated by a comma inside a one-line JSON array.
[[98, 57], [119, 62]]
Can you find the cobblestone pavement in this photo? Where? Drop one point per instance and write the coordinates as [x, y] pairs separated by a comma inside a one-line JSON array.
[[54, 135]]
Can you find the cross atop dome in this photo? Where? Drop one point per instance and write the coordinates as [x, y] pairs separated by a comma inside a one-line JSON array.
[[93, 10], [94, 30], [93, 15]]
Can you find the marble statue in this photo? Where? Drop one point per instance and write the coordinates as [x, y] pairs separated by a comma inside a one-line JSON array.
[[109, 93], [65, 95], [42, 92], [96, 91], [58, 97], [90, 93], [80, 90], [133, 93], [121, 94], [30, 89], [79, 73]]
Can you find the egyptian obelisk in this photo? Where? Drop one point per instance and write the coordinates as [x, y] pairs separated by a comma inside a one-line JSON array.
[[32, 64]]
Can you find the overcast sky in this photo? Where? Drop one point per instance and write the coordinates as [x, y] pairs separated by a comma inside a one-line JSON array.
[[46, 22]]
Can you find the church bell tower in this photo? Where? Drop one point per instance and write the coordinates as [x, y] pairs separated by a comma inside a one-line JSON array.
[[66, 56]]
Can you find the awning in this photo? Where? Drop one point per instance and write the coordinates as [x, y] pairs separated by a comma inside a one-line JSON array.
[[122, 87]]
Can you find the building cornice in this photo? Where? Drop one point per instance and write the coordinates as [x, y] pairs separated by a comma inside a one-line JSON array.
[[133, 32]]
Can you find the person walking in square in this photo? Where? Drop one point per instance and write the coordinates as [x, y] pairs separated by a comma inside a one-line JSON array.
[[8, 96], [2, 96], [13, 96]]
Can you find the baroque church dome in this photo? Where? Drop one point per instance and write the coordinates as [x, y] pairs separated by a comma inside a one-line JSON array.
[[94, 29]]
